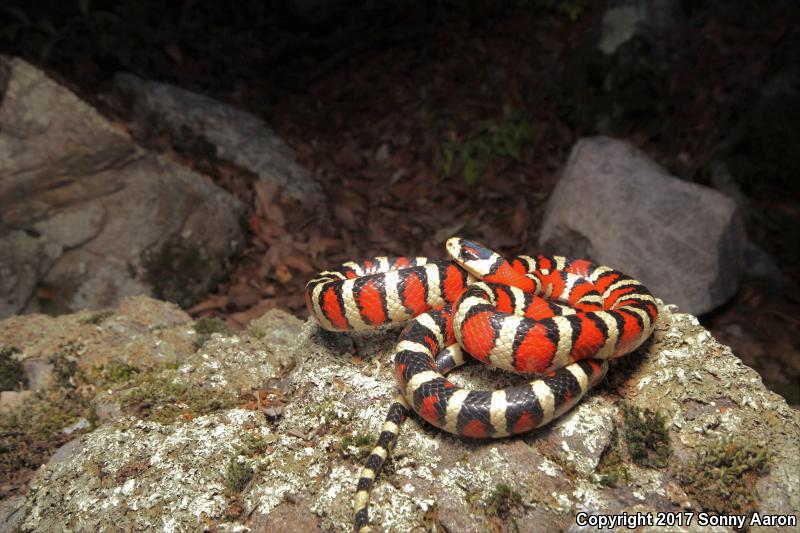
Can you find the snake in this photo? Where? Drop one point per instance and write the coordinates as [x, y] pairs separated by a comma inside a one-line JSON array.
[[560, 320]]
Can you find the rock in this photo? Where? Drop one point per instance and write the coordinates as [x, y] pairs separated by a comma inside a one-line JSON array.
[[659, 22], [38, 372], [10, 399], [64, 452], [81, 424], [235, 135], [234, 467], [141, 332], [11, 513], [759, 264], [89, 217], [615, 206], [618, 77]]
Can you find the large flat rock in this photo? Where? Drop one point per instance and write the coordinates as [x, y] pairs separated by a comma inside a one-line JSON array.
[[319, 392]]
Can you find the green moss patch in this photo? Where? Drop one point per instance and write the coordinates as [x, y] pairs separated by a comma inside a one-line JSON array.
[[257, 332], [490, 141], [646, 437], [255, 444], [362, 442], [331, 412], [723, 476], [567, 466], [118, 372], [237, 476], [154, 396], [502, 499], [65, 366], [611, 467], [205, 327], [12, 374], [98, 317], [31, 432], [173, 268]]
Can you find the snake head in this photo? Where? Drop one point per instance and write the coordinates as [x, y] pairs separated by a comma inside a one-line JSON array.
[[476, 258], [485, 264]]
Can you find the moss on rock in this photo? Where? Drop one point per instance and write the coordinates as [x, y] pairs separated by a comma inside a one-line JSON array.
[[646, 437], [722, 477], [11, 372]]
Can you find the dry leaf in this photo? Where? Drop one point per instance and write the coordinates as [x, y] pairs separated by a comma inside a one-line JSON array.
[[241, 319], [215, 301], [283, 274], [299, 262], [242, 295]]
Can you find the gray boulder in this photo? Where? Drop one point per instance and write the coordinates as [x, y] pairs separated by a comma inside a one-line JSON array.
[[235, 135], [87, 216], [617, 207], [659, 22]]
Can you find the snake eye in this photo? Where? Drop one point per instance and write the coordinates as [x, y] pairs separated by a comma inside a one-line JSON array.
[[469, 253], [473, 251]]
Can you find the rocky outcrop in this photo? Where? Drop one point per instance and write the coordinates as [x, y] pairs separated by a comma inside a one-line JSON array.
[[617, 207], [268, 430], [88, 217]]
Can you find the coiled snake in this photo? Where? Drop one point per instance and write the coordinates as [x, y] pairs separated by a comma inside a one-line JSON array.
[[558, 318]]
